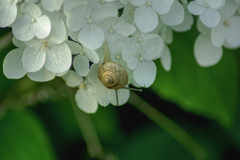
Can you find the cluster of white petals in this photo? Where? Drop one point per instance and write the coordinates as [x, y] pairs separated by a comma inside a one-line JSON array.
[[64, 38]]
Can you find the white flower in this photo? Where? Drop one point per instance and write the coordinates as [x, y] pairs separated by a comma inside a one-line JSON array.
[[228, 29], [115, 28], [87, 20], [85, 96], [115, 49], [50, 52], [146, 17], [144, 69], [31, 24], [207, 9], [13, 65], [133, 44], [82, 58], [8, 12]]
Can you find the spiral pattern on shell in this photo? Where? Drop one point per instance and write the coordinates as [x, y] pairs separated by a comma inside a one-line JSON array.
[[113, 75]]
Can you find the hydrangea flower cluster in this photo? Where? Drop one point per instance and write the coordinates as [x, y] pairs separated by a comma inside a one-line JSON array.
[[64, 38]]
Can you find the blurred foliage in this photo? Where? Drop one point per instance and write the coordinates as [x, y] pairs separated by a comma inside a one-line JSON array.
[[24, 137], [211, 91], [39, 122]]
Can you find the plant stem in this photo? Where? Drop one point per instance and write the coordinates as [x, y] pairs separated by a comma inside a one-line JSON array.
[[6, 40], [89, 134], [168, 125]]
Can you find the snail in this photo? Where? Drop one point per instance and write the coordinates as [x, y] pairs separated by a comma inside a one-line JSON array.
[[111, 74]]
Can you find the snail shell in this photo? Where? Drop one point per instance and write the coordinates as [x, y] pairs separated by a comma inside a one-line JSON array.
[[113, 75]]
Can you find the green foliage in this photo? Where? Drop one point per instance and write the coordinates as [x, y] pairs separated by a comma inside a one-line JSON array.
[[212, 92], [23, 137], [152, 143]]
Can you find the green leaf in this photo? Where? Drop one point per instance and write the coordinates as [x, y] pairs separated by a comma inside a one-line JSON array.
[[22, 137], [212, 92]]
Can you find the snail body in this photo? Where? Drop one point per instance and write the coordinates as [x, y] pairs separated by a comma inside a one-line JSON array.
[[113, 75]]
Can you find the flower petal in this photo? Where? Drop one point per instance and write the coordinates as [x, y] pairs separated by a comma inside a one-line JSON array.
[[186, 24], [91, 36], [42, 27], [31, 9], [42, 75], [175, 16], [72, 79], [166, 59], [146, 18], [81, 65], [202, 28], [218, 35], [233, 31], [153, 48], [86, 101], [210, 17], [195, 8], [215, 3], [8, 14], [12, 64], [58, 32], [75, 19], [162, 6], [102, 94], [59, 58], [22, 28], [205, 52], [33, 59], [123, 96], [103, 12], [145, 73]]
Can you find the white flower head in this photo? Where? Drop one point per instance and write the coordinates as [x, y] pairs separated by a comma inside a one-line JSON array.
[[207, 11], [144, 69], [82, 58], [145, 16], [115, 28], [31, 24], [87, 20], [133, 44], [228, 29], [50, 52], [85, 96]]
